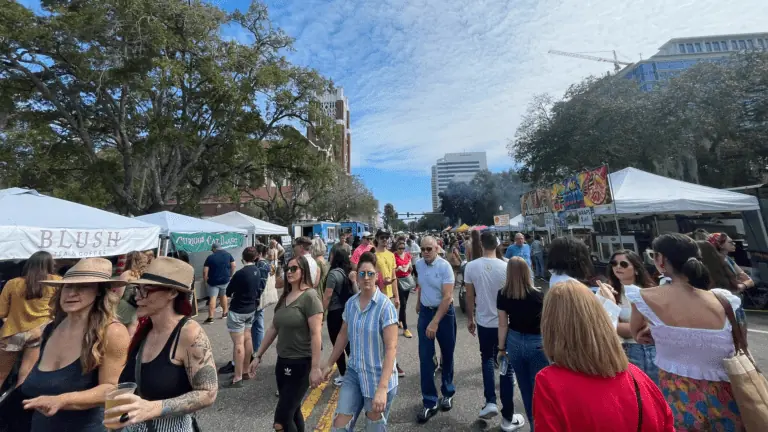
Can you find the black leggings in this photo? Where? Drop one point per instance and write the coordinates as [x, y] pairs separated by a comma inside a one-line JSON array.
[[292, 377], [403, 304], [334, 327]]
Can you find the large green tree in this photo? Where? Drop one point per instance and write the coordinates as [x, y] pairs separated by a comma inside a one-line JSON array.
[[707, 125], [345, 197], [136, 104], [485, 196]]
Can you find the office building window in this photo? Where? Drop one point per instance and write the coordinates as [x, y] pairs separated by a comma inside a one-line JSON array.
[[750, 44], [761, 42], [742, 45], [690, 48], [734, 45], [724, 45], [698, 47], [709, 47], [681, 48], [716, 46]]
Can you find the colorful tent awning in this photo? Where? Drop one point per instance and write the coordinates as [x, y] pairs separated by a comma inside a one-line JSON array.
[[463, 228]]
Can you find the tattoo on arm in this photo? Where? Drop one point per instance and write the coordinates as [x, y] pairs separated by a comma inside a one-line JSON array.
[[201, 371]]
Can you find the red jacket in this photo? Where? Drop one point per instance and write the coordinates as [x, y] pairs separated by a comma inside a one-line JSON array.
[[568, 401]]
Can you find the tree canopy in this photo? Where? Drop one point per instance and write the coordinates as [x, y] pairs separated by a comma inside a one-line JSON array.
[[487, 195], [134, 105], [708, 125], [346, 197]]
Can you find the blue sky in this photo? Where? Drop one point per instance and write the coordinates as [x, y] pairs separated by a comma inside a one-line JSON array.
[[428, 77]]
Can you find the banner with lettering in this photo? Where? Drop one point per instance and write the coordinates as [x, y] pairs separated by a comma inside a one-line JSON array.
[[201, 242], [21, 242], [586, 189], [536, 202]]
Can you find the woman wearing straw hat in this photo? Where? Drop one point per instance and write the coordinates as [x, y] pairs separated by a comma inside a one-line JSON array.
[[82, 352], [170, 358]]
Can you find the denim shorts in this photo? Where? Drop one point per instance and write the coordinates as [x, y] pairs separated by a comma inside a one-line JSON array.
[[352, 402], [643, 356], [237, 322], [216, 290]]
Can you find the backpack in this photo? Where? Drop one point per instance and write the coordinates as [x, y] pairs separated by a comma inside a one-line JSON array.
[[345, 292]]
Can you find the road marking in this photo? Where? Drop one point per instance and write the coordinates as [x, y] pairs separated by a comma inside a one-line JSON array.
[[314, 396], [326, 420], [758, 331]]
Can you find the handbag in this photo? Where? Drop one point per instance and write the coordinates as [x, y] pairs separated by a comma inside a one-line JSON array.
[[269, 296], [137, 376], [749, 386]]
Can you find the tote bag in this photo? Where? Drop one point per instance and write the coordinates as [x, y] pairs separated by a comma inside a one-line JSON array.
[[269, 296], [750, 388]]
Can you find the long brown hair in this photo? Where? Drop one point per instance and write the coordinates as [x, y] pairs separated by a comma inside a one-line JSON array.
[[101, 315], [642, 278], [720, 273], [306, 276], [476, 247], [577, 334], [136, 263], [39, 267], [518, 285]]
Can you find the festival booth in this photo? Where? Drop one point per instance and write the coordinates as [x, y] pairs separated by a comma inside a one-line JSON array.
[[254, 227], [196, 236], [31, 221]]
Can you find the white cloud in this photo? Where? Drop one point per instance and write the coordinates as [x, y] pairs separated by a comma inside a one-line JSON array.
[[428, 77]]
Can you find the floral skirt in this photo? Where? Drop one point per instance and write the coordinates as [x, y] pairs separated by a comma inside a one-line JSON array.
[[701, 405]]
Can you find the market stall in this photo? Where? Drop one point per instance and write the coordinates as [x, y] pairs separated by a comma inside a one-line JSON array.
[[31, 221], [254, 227]]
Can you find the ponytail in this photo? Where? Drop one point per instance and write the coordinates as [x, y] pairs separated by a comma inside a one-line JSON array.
[[697, 273]]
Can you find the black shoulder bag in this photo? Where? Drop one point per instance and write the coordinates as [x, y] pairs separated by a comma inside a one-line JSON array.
[[639, 402]]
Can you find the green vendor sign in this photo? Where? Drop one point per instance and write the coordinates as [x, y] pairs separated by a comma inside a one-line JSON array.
[[201, 242]]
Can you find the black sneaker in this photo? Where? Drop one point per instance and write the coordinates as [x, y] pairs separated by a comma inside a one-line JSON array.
[[208, 321], [227, 369], [235, 384], [425, 414], [446, 403]]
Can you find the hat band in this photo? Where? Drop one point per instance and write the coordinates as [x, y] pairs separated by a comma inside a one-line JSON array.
[[86, 273], [163, 280]]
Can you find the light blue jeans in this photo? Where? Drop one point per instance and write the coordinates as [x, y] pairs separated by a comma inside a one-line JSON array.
[[352, 403], [257, 329], [643, 356]]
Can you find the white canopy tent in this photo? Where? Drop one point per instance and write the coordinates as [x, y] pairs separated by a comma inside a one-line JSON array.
[[517, 223], [30, 222], [641, 193], [251, 224], [170, 222]]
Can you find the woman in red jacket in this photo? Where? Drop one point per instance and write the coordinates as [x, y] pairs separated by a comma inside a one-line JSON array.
[[591, 386]]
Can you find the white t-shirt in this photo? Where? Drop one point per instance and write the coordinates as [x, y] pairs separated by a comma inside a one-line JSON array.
[[312, 267], [488, 276]]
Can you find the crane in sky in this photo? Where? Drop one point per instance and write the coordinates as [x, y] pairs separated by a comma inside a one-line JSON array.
[[616, 62]]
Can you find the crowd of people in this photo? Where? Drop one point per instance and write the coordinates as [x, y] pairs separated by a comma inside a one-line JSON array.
[[626, 351]]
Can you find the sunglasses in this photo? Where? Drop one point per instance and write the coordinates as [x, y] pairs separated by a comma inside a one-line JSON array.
[[427, 249], [365, 275], [292, 269], [143, 291], [622, 264], [401, 248]]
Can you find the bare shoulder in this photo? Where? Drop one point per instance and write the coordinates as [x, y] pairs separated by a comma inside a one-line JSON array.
[[117, 337], [192, 333]]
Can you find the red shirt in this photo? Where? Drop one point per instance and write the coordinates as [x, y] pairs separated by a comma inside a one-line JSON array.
[[568, 401], [402, 262]]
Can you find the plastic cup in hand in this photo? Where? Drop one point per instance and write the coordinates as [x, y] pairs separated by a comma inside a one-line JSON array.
[[120, 389]]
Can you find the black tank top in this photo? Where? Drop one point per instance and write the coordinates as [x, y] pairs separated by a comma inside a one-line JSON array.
[[160, 378], [65, 380]]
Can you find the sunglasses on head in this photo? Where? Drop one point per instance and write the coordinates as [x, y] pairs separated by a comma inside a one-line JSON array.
[[622, 264], [292, 269], [364, 274], [427, 249]]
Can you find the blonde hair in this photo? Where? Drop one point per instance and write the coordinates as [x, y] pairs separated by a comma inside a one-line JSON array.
[[136, 264], [318, 248], [518, 284], [577, 332]]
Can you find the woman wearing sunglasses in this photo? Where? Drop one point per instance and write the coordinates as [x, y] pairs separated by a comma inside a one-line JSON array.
[[170, 358], [370, 326], [627, 273], [297, 326]]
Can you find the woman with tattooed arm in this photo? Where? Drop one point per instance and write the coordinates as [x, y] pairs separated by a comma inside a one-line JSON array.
[[170, 357]]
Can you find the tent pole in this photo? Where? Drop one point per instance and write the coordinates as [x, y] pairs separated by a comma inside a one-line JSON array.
[[656, 223], [613, 198]]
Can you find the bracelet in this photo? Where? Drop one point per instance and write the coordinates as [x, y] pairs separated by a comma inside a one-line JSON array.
[[504, 349]]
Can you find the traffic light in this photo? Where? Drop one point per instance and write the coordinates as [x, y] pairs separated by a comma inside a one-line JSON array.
[[407, 215]]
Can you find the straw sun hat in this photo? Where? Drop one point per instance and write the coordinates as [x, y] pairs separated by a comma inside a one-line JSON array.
[[168, 272], [89, 270]]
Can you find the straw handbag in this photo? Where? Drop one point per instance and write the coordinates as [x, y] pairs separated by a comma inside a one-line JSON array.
[[750, 388]]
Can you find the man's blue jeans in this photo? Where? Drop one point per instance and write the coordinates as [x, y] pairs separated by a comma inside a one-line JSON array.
[[538, 260], [446, 338], [257, 331], [526, 358], [489, 342]]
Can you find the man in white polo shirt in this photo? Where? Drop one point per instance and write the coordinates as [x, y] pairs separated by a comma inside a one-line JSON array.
[[437, 320]]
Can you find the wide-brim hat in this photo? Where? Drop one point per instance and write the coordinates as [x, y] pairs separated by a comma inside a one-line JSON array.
[[168, 272], [89, 270]]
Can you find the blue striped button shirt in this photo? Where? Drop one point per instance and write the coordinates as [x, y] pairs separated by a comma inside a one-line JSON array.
[[365, 329]]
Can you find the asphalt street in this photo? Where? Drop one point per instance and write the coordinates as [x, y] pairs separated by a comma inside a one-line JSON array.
[[251, 408]]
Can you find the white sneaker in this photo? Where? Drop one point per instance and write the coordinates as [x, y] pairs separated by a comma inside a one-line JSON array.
[[517, 423], [338, 381], [489, 411]]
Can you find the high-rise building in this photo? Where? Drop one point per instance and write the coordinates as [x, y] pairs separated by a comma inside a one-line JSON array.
[[336, 106], [679, 54], [455, 167]]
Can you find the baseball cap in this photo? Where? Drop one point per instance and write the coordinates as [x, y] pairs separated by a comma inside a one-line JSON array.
[[382, 232], [366, 234]]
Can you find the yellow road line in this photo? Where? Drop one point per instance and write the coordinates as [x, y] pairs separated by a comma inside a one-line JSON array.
[[314, 396], [326, 420]]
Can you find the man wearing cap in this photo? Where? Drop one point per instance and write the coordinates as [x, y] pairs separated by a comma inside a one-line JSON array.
[[217, 271], [437, 320], [365, 246], [302, 246]]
